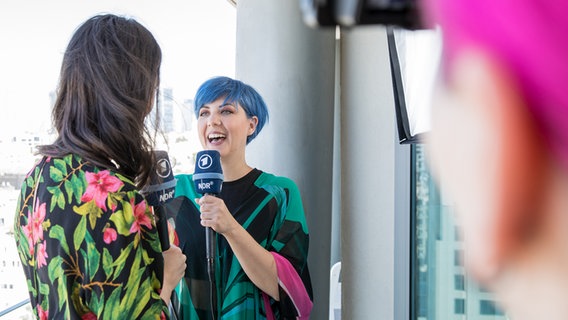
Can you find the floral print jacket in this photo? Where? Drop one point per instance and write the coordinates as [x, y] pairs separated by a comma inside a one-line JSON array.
[[88, 244]]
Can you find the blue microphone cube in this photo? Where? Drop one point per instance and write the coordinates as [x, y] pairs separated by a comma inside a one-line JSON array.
[[208, 174], [163, 183]]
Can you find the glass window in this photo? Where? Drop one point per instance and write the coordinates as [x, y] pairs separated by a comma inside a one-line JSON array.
[[459, 282], [459, 306], [457, 258], [487, 307], [441, 288]]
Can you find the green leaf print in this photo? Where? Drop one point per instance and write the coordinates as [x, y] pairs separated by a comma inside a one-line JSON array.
[[112, 309], [78, 187], [29, 182], [55, 174], [61, 200], [153, 313], [122, 226], [107, 263], [132, 285], [76, 299], [56, 192], [94, 257], [32, 288], [123, 219], [79, 234], [89, 208], [135, 272], [96, 303], [57, 277], [69, 190], [146, 258], [23, 245], [57, 232], [69, 160], [85, 208], [143, 297], [62, 292], [120, 262], [54, 268], [61, 165], [84, 257], [44, 289], [23, 191], [114, 198]]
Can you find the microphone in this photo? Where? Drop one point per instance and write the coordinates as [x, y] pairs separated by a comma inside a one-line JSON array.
[[160, 191], [208, 179]]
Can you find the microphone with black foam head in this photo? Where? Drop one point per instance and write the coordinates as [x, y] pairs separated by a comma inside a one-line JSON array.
[[160, 191], [208, 179]]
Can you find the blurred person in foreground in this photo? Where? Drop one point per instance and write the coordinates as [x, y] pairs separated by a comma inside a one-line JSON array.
[[499, 145], [86, 237], [261, 269]]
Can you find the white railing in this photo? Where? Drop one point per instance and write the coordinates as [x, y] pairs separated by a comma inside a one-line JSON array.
[[15, 307]]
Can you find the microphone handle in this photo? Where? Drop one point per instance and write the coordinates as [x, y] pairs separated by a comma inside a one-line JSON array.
[[209, 243], [210, 247], [162, 225], [210, 255]]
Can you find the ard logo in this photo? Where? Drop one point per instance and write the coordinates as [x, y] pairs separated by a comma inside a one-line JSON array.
[[163, 168], [204, 162]]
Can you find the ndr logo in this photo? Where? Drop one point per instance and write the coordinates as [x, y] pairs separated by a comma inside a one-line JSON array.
[[166, 195], [205, 185]]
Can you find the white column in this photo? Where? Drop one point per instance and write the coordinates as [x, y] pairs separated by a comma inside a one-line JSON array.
[[368, 142], [292, 66]]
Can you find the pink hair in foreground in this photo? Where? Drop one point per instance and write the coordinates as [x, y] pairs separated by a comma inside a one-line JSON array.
[[530, 37]]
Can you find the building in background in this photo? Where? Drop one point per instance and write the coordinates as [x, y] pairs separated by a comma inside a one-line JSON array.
[[186, 115], [13, 288], [442, 287], [166, 103]]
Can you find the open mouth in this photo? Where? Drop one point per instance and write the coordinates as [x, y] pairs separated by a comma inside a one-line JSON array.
[[216, 137]]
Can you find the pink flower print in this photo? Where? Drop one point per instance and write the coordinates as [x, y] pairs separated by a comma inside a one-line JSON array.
[[89, 316], [109, 235], [29, 233], [34, 230], [42, 255], [42, 314], [100, 184], [140, 217]]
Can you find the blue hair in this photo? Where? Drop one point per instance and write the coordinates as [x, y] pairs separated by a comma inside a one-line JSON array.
[[233, 91]]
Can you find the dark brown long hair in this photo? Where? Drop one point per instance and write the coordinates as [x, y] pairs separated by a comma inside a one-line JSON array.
[[108, 84]]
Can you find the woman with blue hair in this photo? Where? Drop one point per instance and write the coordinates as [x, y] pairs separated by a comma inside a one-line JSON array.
[[262, 238]]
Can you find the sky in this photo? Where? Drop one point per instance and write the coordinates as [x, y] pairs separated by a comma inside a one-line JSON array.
[[197, 38]]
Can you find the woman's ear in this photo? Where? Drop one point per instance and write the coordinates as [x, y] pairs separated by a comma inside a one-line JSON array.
[[253, 122], [516, 159]]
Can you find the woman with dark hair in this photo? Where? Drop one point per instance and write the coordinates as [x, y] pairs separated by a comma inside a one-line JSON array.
[[86, 236], [261, 266]]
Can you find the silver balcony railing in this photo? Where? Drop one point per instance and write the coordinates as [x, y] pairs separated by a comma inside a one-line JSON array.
[[15, 307]]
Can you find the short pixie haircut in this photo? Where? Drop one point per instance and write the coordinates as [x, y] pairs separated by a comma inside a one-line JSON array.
[[233, 91]]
